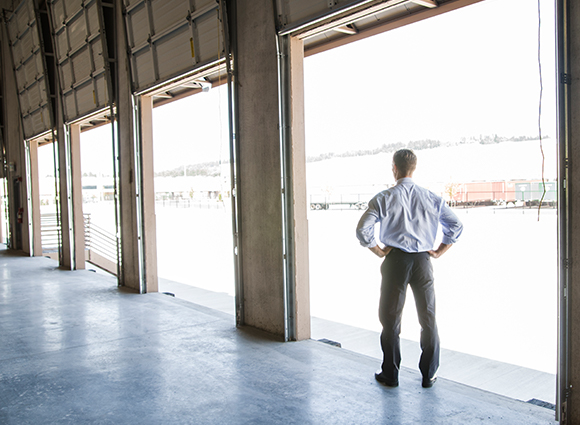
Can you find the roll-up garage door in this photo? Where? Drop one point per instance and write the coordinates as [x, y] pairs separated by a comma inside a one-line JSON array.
[[320, 22], [30, 69], [81, 56], [171, 38], [296, 14]]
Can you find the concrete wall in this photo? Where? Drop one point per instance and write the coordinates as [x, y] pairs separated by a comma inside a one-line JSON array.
[[136, 190], [259, 173], [129, 273]]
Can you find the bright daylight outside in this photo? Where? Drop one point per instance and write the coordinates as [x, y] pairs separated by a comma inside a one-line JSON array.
[[99, 197], [193, 202], [192, 195], [462, 90]]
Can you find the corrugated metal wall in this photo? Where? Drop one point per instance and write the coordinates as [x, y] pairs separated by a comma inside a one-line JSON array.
[[30, 69], [80, 56], [169, 38], [166, 39]]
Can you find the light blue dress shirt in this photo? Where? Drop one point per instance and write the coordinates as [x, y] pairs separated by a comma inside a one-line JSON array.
[[409, 216]]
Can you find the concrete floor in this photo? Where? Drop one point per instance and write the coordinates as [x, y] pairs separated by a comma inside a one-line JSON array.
[[509, 380], [76, 349]]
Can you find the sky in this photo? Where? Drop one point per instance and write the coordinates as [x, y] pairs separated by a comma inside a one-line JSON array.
[[196, 126], [466, 73]]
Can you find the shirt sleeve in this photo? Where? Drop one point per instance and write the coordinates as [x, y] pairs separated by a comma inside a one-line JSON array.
[[365, 230], [452, 226]]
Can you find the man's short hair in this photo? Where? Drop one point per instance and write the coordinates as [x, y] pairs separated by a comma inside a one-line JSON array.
[[405, 160]]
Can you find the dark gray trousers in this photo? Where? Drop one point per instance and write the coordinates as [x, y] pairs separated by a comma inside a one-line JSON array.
[[399, 269]]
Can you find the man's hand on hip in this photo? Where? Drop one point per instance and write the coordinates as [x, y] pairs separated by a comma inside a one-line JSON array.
[[381, 252], [440, 251]]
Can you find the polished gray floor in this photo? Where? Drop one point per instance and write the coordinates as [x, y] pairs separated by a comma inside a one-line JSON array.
[[76, 349], [510, 380]]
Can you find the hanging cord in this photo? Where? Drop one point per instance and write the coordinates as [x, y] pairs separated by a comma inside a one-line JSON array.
[[540, 110], [219, 29]]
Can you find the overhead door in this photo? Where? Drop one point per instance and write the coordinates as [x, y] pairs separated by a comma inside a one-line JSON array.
[[81, 56], [171, 38], [321, 22], [303, 16], [30, 69]]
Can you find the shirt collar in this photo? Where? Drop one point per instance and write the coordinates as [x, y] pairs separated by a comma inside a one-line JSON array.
[[405, 180]]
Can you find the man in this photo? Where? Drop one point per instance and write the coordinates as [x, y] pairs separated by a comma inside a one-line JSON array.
[[408, 216]]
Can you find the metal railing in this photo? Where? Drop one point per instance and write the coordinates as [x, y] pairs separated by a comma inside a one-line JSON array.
[[49, 232], [97, 240]]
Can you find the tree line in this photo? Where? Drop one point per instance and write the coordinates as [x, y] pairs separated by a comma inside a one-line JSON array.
[[205, 169], [417, 145], [212, 168]]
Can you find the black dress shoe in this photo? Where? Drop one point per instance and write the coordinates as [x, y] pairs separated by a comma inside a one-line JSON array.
[[428, 383], [385, 381]]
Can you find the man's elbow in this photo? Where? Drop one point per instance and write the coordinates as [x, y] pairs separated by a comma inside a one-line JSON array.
[[458, 230], [360, 235], [451, 236], [364, 240]]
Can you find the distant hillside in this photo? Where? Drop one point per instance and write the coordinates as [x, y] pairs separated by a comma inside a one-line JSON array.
[[485, 158], [417, 145], [507, 160], [205, 169]]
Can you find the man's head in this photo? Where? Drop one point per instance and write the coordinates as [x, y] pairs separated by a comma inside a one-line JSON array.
[[404, 163]]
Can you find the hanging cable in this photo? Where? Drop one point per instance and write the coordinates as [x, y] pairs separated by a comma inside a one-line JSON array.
[[220, 131], [540, 109]]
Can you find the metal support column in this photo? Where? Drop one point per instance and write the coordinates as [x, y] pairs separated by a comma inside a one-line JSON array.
[[78, 221], [294, 209], [227, 13], [33, 174], [563, 93]]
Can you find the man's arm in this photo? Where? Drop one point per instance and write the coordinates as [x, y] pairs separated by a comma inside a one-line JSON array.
[[381, 252], [443, 248], [451, 225], [452, 229], [365, 229]]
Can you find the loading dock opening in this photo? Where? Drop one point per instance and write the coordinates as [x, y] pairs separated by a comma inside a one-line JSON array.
[[193, 198], [507, 332]]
